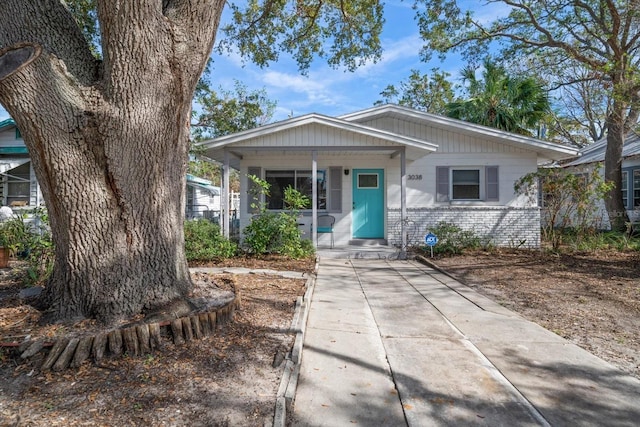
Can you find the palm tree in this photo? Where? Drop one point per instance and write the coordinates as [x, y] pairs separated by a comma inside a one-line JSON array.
[[514, 104]]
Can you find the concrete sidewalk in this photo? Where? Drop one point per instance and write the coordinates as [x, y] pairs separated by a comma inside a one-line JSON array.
[[394, 343]]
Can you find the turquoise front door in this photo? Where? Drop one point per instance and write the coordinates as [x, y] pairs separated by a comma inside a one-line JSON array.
[[368, 204]]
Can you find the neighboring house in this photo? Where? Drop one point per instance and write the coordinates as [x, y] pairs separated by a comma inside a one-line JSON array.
[[593, 155], [19, 188], [18, 184], [203, 199], [390, 173]]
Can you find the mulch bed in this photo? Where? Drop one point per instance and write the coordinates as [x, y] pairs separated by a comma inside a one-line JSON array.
[[229, 378]]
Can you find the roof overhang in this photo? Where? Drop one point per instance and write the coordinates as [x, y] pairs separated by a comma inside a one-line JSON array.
[[595, 153], [546, 150], [7, 123], [205, 184], [380, 142]]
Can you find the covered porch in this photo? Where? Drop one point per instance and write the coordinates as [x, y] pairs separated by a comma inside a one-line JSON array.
[[338, 160]]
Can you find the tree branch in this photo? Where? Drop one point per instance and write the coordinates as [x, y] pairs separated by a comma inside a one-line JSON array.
[[49, 24]]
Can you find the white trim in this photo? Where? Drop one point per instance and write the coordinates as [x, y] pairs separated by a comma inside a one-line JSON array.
[[481, 182], [377, 175]]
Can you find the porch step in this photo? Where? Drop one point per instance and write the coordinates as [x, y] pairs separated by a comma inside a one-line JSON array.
[[368, 242]]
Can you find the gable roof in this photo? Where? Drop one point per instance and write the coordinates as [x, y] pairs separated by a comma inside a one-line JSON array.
[[594, 153], [246, 140], [545, 149]]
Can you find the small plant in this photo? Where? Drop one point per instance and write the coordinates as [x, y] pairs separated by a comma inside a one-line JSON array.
[[453, 240], [203, 242]]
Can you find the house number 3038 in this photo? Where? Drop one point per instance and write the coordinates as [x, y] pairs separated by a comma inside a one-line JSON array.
[[414, 177]]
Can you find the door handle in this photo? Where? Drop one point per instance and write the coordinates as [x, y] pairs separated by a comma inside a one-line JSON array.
[[353, 205]]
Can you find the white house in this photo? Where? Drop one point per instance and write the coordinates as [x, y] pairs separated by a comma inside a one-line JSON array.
[[593, 155], [18, 184], [390, 173], [203, 198]]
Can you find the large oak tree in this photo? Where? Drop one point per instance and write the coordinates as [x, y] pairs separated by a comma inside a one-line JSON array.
[[106, 120], [603, 36]]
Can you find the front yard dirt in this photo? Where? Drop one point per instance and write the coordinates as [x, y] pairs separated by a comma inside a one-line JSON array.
[[591, 299], [230, 378]]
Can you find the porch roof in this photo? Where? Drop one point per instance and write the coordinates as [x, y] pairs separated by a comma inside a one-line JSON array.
[[362, 138]]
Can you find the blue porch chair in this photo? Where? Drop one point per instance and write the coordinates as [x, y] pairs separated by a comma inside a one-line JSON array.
[[325, 225]]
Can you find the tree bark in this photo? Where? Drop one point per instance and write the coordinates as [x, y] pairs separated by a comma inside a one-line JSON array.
[[618, 217], [111, 154]]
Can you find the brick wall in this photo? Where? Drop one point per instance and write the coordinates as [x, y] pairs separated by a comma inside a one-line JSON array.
[[497, 226]]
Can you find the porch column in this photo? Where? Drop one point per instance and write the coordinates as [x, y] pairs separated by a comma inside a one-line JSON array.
[[224, 200], [403, 200], [314, 198]]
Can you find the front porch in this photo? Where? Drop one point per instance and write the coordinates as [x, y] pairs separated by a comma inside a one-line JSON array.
[[337, 164]]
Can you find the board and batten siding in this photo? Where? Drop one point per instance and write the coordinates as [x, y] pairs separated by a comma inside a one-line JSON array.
[[313, 136], [8, 138], [448, 141], [600, 217]]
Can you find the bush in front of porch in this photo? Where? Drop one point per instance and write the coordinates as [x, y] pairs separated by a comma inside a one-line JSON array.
[[277, 232]]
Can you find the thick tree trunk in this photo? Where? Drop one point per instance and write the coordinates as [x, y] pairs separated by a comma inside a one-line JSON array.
[[111, 157], [618, 217]]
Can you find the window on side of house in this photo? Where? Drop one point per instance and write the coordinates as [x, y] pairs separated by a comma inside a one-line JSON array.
[[625, 188], [636, 188], [19, 185], [479, 183], [465, 184], [300, 180]]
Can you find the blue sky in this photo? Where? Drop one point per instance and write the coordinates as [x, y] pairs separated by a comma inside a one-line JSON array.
[[333, 91]]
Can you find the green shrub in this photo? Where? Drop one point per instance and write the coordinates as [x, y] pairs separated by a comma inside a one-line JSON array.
[[261, 236], [453, 240], [278, 233], [570, 202], [600, 240], [30, 240], [203, 242]]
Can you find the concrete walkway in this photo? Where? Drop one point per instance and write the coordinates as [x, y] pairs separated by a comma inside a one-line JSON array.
[[395, 343]]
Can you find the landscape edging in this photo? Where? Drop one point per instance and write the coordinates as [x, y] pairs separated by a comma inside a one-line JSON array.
[[134, 340], [285, 397]]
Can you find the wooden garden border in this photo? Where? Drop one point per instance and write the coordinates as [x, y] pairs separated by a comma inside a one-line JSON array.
[[133, 340]]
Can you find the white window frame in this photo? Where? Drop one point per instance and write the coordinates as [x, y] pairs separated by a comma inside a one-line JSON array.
[[377, 175], [481, 182], [13, 180]]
